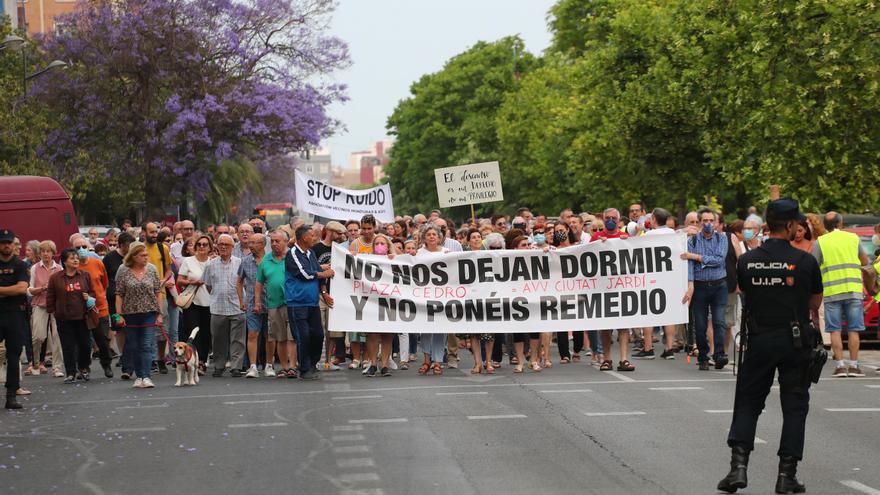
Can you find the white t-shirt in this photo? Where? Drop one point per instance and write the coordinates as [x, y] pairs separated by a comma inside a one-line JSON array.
[[193, 269], [422, 251], [661, 230]]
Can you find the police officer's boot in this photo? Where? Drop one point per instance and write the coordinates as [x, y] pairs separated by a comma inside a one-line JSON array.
[[12, 400], [787, 481], [736, 478]]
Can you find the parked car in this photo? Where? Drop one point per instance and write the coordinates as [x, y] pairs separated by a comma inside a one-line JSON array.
[[102, 230], [36, 208]]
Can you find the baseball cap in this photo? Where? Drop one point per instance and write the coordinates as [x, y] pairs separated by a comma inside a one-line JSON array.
[[335, 227], [784, 209], [7, 235]]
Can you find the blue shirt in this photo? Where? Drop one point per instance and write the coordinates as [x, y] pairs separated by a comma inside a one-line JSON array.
[[301, 278], [713, 251]]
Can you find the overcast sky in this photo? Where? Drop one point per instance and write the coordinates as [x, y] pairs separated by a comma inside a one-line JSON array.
[[394, 42]]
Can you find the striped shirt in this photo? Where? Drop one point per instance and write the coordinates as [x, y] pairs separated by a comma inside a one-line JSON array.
[[221, 280], [713, 252], [247, 272]]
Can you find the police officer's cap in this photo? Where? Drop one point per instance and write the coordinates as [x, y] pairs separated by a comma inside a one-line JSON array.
[[7, 235], [784, 209]]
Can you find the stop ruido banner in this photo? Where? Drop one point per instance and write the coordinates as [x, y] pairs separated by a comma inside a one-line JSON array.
[[319, 198], [619, 283]]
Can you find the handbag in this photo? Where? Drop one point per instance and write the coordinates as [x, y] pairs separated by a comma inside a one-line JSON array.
[[93, 319], [185, 298]]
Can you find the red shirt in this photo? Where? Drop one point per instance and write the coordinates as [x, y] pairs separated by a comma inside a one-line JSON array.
[[604, 234]]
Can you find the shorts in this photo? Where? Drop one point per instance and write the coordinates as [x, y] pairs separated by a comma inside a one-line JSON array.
[[850, 311], [357, 337], [256, 322], [279, 329]]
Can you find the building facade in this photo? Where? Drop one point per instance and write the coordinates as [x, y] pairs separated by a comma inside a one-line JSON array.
[[38, 16]]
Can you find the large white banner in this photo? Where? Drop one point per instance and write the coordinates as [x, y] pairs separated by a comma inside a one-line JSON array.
[[619, 283], [468, 184], [319, 198]]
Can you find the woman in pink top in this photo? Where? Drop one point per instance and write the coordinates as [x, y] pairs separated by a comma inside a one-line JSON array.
[[42, 323]]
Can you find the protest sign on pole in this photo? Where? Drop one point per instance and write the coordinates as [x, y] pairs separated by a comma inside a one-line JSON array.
[[468, 184], [619, 283], [319, 198]]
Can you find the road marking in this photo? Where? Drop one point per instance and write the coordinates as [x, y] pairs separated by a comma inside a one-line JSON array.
[[757, 440], [136, 430], [256, 425], [348, 428], [352, 449], [141, 407], [355, 397], [347, 438], [358, 477], [616, 413], [619, 376], [675, 388], [233, 403], [873, 386], [374, 421], [355, 462], [852, 409], [462, 393], [718, 411], [499, 416], [363, 491], [859, 487], [564, 391]]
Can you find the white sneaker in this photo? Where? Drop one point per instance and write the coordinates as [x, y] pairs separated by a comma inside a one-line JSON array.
[[139, 383], [392, 364], [59, 374], [252, 372], [148, 383], [366, 368], [329, 367], [269, 371]]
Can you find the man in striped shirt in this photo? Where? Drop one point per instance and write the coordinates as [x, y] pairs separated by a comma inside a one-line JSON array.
[[707, 286]]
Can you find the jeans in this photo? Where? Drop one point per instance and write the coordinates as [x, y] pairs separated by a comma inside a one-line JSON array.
[[709, 295], [309, 335], [140, 333], [848, 312], [75, 345], [434, 344]]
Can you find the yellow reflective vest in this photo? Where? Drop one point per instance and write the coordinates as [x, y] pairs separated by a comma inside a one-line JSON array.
[[841, 273]]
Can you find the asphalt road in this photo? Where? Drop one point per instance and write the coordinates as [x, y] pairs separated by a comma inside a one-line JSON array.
[[569, 429]]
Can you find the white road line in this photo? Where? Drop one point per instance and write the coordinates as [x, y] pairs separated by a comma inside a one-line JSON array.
[[136, 430], [352, 449], [859, 487], [348, 438], [374, 421], [462, 393], [619, 376], [355, 397], [675, 388], [363, 491], [852, 409], [498, 416], [358, 477], [616, 413], [355, 462], [141, 407], [718, 411], [234, 403], [348, 428], [255, 425], [576, 390], [873, 386]]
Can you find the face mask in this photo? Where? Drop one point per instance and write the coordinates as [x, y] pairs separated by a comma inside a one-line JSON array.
[[560, 236], [380, 249], [749, 234], [708, 228], [540, 238], [82, 253], [610, 224]]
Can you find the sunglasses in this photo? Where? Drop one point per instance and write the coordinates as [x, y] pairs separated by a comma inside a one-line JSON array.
[[495, 247], [539, 232], [112, 245], [501, 224], [202, 244]]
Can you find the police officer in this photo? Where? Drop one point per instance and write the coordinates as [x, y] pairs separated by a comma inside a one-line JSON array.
[[13, 287], [780, 285]]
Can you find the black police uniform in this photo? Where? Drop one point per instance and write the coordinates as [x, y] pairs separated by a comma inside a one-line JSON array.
[[777, 281], [13, 324]]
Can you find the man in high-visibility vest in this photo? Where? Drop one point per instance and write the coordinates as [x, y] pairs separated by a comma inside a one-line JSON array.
[[840, 257]]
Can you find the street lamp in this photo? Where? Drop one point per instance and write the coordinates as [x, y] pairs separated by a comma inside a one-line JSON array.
[[55, 64], [12, 42]]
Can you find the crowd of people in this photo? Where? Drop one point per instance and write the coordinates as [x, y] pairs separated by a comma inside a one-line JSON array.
[[261, 302]]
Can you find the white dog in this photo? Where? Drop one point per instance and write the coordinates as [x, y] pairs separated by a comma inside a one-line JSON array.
[[187, 361]]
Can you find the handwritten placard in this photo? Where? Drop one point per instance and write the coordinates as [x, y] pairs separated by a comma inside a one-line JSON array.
[[468, 184]]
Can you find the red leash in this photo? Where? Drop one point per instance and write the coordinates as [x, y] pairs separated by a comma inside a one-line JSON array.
[[161, 328]]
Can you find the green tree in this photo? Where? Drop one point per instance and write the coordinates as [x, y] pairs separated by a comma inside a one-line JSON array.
[[449, 119]]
